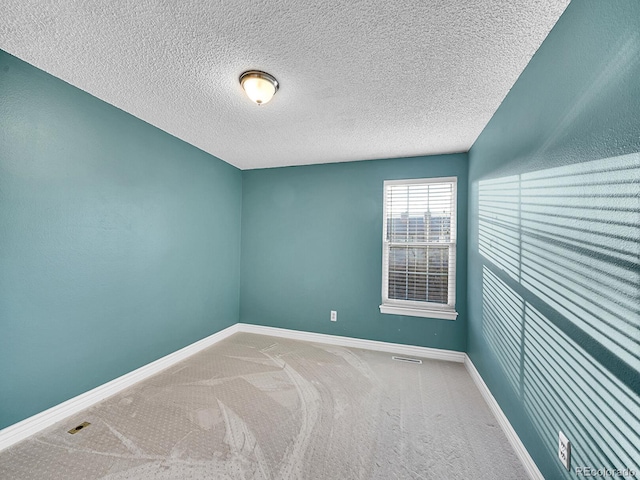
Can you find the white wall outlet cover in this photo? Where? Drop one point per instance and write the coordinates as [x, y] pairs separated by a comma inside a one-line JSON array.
[[564, 450], [334, 316]]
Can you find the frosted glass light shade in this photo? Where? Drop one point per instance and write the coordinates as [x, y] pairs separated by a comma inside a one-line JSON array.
[[259, 86]]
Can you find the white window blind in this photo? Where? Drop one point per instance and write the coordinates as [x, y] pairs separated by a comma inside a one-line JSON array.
[[419, 247]]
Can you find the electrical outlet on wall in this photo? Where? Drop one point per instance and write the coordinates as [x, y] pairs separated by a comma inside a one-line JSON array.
[[564, 450], [334, 316]]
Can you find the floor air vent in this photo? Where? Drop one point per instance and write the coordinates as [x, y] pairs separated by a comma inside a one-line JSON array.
[[408, 360], [79, 427]]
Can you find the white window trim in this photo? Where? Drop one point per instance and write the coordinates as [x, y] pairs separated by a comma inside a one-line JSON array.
[[412, 308], [439, 313]]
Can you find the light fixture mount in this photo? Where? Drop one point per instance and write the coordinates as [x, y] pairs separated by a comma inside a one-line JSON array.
[[259, 86]]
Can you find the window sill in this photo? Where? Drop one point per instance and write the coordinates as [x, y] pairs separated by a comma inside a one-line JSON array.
[[443, 314]]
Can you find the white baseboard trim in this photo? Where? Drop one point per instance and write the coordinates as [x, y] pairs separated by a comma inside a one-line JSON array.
[[521, 451], [423, 352], [29, 426]]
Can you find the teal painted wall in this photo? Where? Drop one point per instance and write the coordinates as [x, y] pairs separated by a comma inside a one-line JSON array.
[[118, 243], [554, 230], [312, 243]]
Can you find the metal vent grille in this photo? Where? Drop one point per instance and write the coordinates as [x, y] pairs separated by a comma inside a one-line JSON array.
[[75, 430], [406, 359]]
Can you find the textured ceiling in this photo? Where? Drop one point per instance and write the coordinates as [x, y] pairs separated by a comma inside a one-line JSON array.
[[359, 80]]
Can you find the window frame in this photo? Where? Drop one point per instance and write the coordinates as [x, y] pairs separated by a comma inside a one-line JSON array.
[[417, 308]]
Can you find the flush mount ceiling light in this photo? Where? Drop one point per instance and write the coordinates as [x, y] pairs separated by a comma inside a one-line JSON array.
[[259, 86]]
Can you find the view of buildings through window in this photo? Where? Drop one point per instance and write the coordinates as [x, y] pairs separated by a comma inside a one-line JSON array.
[[420, 273]]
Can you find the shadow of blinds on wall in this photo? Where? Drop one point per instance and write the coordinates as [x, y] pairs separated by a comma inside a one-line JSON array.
[[561, 301]]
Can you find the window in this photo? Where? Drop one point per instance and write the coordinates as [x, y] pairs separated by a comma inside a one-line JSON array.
[[419, 248]]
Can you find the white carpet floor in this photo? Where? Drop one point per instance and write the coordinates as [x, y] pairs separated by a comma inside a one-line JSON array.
[[258, 407]]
